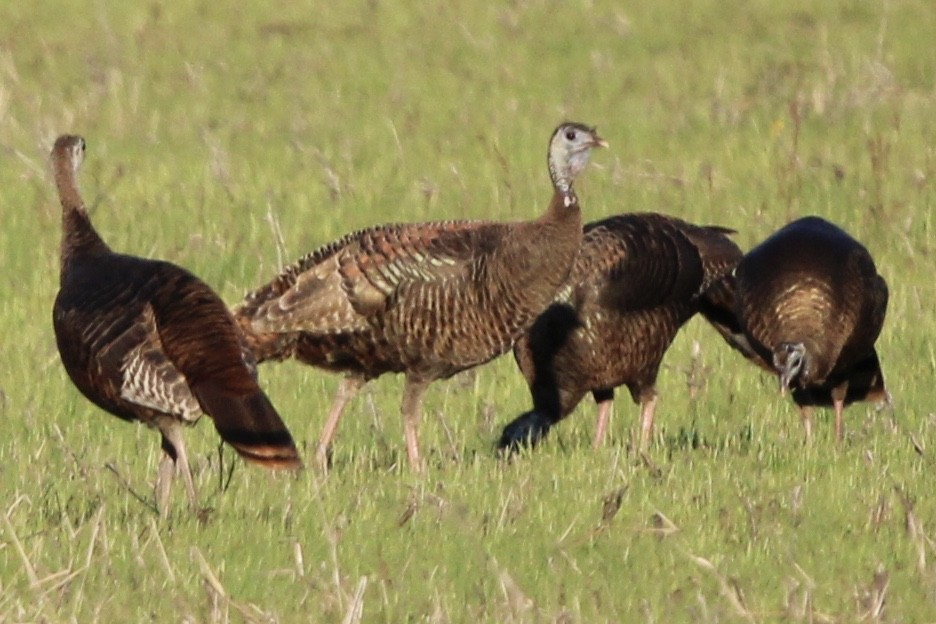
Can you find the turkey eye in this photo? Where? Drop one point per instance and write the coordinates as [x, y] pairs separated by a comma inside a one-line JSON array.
[[570, 135]]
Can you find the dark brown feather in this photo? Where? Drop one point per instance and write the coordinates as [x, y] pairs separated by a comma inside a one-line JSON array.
[[812, 283], [637, 280], [424, 298], [717, 306], [147, 340], [427, 299]]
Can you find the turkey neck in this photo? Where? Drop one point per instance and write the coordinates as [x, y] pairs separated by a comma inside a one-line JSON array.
[[543, 251], [560, 232], [78, 235]]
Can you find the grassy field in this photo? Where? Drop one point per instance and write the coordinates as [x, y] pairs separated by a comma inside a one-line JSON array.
[[232, 141]]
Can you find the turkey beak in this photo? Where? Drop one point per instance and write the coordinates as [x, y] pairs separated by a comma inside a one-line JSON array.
[[785, 376], [599, 142]]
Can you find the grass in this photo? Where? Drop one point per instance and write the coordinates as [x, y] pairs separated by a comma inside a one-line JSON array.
[[208, 126]]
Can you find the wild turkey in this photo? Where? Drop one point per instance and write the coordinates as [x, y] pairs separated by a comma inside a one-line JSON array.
[[637, 280], [810, 306], [147, 340], [425, 299]]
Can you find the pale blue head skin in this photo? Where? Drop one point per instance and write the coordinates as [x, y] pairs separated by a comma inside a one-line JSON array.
[[569, 148], [791, 360]]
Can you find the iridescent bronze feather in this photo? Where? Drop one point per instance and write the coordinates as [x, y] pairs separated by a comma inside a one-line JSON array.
[[147, 340], [425, 299], [811, 305], [637, 280]]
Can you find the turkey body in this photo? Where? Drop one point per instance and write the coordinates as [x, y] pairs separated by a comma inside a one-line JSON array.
[[811, 305], [428, 299], [636, 281], [425, 299], [146, 340]]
